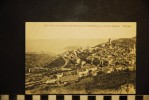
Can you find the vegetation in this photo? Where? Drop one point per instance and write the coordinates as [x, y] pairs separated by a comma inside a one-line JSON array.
[[37, 60], [56, 63], [115, 79], [125, 42], [85, 83]]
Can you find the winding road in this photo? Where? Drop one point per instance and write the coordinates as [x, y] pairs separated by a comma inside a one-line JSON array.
[[66, 61]]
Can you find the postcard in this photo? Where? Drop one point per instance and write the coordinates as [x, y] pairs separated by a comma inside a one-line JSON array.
[[80, 58]]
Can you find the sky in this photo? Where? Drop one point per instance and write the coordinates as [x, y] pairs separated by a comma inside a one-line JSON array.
[[56, 36], [79, 30]]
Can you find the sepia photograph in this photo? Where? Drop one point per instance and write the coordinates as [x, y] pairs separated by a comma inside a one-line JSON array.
[[80, 57]]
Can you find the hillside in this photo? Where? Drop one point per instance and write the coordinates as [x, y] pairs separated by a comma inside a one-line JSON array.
[[125, 42], [56, 63], [120, 48], [37, 60], [70, 59], [97, 69]]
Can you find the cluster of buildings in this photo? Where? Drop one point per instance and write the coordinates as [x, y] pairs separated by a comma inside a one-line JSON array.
[[105, 54], [87, 70], [106, 57]]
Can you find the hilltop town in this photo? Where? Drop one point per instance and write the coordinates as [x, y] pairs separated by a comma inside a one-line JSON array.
[[65, 72]]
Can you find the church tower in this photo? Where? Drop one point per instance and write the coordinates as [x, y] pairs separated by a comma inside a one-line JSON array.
[[109, 41]]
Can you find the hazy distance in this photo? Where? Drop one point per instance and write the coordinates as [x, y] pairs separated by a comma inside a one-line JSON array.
[[57, 46]]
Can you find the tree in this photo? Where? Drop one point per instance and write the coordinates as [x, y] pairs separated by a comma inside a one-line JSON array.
[[87, 84]]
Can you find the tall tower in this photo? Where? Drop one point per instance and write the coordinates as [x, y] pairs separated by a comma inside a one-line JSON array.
[[109, 41]]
